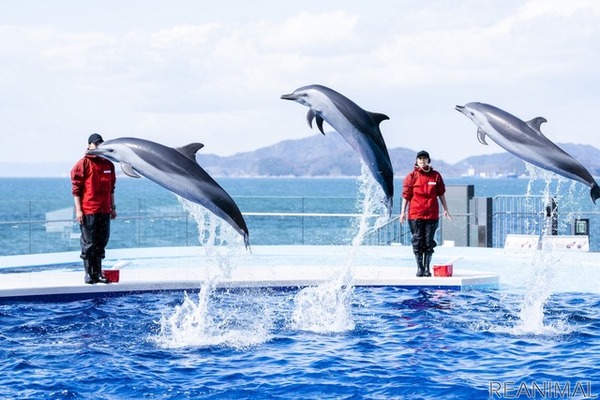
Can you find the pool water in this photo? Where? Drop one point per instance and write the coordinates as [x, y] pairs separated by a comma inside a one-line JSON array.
[[244, 343], [536, 337]]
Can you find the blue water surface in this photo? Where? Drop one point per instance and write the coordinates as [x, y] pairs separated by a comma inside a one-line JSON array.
[[405, 344], [238, 344], [150, 216]]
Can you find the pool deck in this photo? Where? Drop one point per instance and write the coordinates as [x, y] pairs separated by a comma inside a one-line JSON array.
[[59, 276]]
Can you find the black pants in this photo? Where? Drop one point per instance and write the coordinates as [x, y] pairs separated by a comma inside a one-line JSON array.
[[95, 232], [423, 231]]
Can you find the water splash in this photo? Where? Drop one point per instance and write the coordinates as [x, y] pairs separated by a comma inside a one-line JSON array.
[[559, 327], [532, 313], [542, 266], [504, 313], [208, 320], [326, 308], [372, 210], [221, 242]]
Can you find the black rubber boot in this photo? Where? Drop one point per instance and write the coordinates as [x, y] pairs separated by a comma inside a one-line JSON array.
[[97, 276], [420, 269], [426, 262], [88, 272]]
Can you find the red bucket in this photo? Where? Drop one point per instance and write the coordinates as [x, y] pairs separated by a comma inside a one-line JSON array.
[[111, 275], [443, 270]]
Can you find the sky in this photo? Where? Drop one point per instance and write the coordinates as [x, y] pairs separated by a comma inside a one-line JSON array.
[[182, 71]]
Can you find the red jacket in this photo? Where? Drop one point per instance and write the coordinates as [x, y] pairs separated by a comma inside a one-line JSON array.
[[93, 180], [422, 189]]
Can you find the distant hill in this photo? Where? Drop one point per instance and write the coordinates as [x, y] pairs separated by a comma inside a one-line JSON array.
[[327, 156], [505, 163], [319, 155]]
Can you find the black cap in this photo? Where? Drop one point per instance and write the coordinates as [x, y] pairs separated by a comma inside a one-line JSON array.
[[423, 153], [95, 138]]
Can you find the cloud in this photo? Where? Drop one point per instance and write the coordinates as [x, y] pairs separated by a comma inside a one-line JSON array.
[[218, 80], [311, 34]]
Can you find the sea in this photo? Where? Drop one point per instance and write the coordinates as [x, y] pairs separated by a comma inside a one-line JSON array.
[[36, 214], [391, 343]]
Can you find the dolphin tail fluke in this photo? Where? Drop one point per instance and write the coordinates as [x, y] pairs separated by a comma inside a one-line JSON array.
[[595, 192], [389, 203], [247, 242]]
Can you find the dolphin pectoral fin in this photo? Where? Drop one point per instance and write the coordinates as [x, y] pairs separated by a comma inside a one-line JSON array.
[[536, 124], [481, 136], [129, 171], [310, 116], [190, 150], [320, 123]]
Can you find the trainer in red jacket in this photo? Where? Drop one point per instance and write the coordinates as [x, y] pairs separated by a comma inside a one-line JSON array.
[[420, 192], [93, 182]]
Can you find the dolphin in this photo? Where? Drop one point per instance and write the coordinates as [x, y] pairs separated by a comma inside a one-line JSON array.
[[177, 170], [526, 141], [359, 128]]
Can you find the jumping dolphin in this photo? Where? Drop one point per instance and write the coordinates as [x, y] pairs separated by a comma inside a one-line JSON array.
[[526, 141], [359, 128], [177, 170]]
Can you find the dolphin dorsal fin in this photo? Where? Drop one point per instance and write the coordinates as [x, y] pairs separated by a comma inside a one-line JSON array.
[[378, 117], [129, 171], [481, 136], [536, 123], [190, 150]]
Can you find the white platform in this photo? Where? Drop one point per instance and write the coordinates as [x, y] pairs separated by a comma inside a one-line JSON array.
[[561, 243], [59, 276]]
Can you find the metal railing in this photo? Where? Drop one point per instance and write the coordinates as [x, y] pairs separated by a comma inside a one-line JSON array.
[[392, 232], [170, 225], [536, 215], [178, 229]]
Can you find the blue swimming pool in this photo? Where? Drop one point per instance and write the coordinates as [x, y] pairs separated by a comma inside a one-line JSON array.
[[538, 336], [244, 343]]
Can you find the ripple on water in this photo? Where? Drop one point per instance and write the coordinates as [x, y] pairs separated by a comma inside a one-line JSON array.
[[405, 343]]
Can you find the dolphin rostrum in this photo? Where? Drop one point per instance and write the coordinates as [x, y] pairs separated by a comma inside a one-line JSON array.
[[526, 141], [177, 170], [359, 128]]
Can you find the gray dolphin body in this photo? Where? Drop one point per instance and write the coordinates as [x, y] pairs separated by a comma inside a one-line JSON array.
[[176, 170], [526, 141], [359, 128]]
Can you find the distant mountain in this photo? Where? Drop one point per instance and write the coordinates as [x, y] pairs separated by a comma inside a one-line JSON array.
[[327, 156], [503, 164], [319, 155]]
